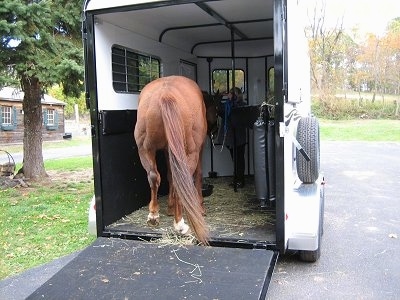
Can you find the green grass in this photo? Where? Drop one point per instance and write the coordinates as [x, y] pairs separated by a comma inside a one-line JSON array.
[[45, 221], [76, 141], [360, 130], [69, 164]]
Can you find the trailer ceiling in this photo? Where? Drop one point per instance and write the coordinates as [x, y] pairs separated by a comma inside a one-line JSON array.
[[203, 28]]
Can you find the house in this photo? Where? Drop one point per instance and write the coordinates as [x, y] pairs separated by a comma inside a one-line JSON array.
[[12, 117]]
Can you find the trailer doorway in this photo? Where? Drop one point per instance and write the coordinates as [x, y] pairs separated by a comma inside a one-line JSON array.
[[183, 44]]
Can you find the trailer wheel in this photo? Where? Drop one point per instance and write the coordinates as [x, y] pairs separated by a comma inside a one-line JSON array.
[[313, 256], [308, 137]]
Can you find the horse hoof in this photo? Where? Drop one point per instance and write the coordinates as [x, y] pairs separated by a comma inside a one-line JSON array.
[[170, 211], [153, 222], [182, 228]]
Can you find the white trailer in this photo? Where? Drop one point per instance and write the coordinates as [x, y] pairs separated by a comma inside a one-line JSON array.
[[262, 45]]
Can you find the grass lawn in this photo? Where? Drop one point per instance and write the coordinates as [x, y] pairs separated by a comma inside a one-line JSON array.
[[360, 130], [46, 220], [76, 141]]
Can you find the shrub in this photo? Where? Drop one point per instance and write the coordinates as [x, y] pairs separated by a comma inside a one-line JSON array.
[[342, 109]]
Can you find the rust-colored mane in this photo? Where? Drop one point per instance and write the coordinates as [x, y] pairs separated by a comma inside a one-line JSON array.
[[171, 116]]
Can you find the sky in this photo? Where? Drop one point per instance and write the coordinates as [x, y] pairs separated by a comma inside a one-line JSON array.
[[369, 16]]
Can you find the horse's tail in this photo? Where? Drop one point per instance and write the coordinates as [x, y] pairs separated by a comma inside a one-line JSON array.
[[181, 176]]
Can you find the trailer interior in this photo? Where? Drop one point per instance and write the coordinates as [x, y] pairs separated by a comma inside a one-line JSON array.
[[205, 41]]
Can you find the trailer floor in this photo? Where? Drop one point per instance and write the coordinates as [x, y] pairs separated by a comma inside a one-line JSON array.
[[230, 215]]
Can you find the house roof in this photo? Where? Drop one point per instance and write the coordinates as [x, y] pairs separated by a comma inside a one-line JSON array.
[[14, 94]]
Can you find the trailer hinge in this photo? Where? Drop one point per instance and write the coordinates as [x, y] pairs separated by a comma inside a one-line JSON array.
[[283, 129], [284, 13], [87, 98], [260, 245], [284, 92], [84, 31]]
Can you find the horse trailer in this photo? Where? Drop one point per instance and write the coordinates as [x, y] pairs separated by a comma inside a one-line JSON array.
[[257, 45]]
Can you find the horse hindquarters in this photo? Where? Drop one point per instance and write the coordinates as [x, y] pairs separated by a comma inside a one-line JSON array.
[[180, 172]]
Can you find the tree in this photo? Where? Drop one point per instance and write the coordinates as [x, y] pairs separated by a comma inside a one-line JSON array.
[[56, 91], [392, 43], [40, 46], [324, 49]]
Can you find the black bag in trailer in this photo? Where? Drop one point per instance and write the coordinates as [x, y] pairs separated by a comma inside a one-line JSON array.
[[264, 167]]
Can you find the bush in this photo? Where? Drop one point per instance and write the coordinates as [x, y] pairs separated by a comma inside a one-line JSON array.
[[341, 109]]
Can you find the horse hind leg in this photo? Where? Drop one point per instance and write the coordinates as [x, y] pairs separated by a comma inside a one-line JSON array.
[[153, 218], [195, 168], [197, 171], [198, 182], [179, 223], [171, 192], [175, 209]]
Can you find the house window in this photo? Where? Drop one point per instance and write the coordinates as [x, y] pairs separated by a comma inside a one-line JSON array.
[[50, 119], [131, 71], [223, 80], [8, 117]]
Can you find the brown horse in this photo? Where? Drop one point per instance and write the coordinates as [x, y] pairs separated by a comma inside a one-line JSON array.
[[171, 116], [211, 113]]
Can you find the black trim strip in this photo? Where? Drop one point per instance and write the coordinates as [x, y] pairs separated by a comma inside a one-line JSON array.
[[223, 21], [239, 57], [211, 24], [280, 51], [215, 242], [268, 276], [185, 27], [228, 41]]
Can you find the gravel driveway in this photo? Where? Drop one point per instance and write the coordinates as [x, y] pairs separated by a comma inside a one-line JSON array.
[[361, 244]]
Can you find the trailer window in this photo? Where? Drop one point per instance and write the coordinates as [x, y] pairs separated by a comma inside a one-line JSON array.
[[223, 80], [131, 71]]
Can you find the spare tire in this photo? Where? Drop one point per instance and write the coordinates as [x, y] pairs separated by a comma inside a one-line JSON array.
[[308, 137]]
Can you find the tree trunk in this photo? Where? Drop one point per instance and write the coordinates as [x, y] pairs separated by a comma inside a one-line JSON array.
[[33, 166]]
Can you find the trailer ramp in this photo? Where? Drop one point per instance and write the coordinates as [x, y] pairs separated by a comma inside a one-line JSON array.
[[113, 268]]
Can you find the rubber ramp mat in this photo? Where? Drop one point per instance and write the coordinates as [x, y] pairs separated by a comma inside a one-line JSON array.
[[113, 268]]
